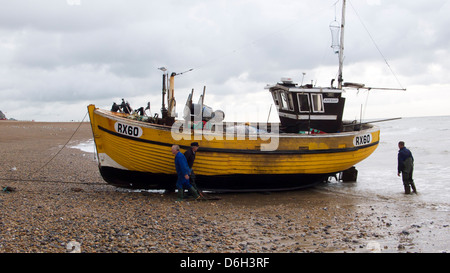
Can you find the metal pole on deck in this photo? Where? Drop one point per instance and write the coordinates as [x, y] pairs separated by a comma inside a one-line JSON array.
[[341, 49]]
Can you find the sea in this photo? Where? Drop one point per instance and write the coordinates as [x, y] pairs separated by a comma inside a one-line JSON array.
[[428, 138]]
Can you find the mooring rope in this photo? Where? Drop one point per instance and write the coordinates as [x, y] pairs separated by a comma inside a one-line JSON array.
[[51, 181], [50, 160]]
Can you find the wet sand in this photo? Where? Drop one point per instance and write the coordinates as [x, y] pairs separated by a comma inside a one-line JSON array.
[[42, 209]]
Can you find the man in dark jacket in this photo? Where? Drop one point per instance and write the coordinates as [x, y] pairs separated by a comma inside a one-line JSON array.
[[406, 167], [190, 157]]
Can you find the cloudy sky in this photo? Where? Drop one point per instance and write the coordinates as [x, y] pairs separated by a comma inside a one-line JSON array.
[[58, 56]]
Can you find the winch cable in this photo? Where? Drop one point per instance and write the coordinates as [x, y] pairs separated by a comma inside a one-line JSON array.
[[52, 181], [50, 160]]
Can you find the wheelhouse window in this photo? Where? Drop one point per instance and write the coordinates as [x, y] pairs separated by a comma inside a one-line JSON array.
[[291, 102], [317, 103], [286, 101], [303, 103], [276, 98]]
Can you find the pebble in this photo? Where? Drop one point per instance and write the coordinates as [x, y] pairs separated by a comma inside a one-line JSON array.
[[98, 218]]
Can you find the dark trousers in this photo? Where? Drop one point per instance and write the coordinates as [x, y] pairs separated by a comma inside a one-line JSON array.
[[408, 181], [192, 180]]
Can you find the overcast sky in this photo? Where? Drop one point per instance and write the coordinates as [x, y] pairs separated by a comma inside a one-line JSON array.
[[58, 56]]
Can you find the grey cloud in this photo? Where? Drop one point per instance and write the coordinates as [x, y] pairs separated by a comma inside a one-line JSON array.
[[100, 50]]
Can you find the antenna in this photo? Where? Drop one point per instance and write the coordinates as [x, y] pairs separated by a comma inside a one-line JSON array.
[[181, 73], [341, 48]]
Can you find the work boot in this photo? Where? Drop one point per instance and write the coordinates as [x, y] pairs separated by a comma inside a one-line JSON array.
[[407, 189], [413, 186], [197, 191], [194, 192], [180, 195]]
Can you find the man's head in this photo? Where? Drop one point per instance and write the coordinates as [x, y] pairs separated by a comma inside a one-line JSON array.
[[175, 149], [194, 146], [401, 144]]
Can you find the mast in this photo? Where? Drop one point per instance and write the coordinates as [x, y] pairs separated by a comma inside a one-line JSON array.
[[164, 91], [341, 48]]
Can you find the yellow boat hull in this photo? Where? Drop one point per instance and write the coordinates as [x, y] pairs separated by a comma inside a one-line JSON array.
[[138, 155]]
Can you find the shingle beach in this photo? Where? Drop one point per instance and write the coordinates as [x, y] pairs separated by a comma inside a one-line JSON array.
[[44, 207]]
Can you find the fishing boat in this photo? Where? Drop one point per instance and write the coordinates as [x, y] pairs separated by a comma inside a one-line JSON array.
[[310, 144]]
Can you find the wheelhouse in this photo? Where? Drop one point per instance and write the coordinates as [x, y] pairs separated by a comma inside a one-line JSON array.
[[306, 108]]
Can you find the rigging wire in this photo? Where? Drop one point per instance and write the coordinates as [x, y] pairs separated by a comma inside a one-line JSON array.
[[376, 46], [365, 105]]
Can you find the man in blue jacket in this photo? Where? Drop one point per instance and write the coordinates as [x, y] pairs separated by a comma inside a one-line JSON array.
[[406, 167], [183, 171]]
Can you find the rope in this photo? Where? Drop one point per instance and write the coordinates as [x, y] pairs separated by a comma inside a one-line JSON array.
[[79, 125], [51, 159], [51, 181]]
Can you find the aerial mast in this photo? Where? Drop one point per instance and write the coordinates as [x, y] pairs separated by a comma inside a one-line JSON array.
[[341, 46]]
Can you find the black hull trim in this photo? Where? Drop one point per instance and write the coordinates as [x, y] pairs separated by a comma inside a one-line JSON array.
[[224, 183]]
